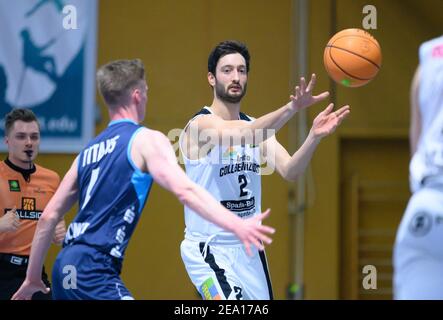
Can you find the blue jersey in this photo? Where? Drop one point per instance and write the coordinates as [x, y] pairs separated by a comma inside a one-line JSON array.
[[112, 191]]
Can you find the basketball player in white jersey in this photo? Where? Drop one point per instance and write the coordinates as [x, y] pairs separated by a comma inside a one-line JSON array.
[[215, 261], [111, 203], [418, 250]]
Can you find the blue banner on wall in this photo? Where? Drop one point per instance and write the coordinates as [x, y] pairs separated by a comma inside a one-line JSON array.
[[47, 64]]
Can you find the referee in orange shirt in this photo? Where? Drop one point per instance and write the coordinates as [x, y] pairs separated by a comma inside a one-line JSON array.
[[25, 189]]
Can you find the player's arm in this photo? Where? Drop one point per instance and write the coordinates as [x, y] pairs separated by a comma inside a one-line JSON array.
[[290, 167], [415, 125], [273, 121], [63, 199], [162, 165], [60, 229]]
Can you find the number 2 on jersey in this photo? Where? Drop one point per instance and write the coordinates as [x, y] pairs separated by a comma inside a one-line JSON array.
[[243, 183]]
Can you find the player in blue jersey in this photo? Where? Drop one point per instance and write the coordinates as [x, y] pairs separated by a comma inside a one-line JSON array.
[[111, 179]]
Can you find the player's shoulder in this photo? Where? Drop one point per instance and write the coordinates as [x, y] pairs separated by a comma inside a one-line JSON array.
[[433, 41], [150, 133], [150, 137], [148, 143], [430, 47]]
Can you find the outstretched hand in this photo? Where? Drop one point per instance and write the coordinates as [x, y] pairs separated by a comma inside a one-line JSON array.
[[327, 121], [252, 232], [303, 97], [28, 288]]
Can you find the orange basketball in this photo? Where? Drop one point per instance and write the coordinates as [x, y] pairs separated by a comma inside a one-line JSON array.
[[352, 57]]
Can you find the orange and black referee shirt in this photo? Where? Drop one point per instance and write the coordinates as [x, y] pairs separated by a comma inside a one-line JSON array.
[[30, 197]]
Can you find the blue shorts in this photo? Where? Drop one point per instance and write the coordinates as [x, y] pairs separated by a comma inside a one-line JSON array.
[[82, 272]]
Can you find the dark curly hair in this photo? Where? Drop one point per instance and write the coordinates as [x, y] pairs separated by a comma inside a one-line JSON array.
[[224, 48]]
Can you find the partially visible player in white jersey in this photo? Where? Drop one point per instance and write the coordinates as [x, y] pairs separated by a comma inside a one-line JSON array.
[[418, 250], [222, 151]]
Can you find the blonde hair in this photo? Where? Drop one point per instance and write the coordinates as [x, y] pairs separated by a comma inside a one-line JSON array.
[[116, 80]]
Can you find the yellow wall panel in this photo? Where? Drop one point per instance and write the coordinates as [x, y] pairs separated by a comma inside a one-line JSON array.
[[174, 38]]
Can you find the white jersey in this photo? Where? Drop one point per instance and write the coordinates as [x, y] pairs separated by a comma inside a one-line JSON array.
[[231, 174], [428, 159]]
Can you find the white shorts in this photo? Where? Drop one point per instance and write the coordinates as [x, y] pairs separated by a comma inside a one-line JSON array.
[[418, 250], [226, 272]]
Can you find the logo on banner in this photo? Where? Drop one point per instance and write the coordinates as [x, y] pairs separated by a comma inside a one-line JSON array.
[[50, 68]]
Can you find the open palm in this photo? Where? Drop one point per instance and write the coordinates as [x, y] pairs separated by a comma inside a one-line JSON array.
[[303, 97], [327, 121]]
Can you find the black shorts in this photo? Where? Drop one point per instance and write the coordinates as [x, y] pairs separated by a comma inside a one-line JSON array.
[[12, 276]]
